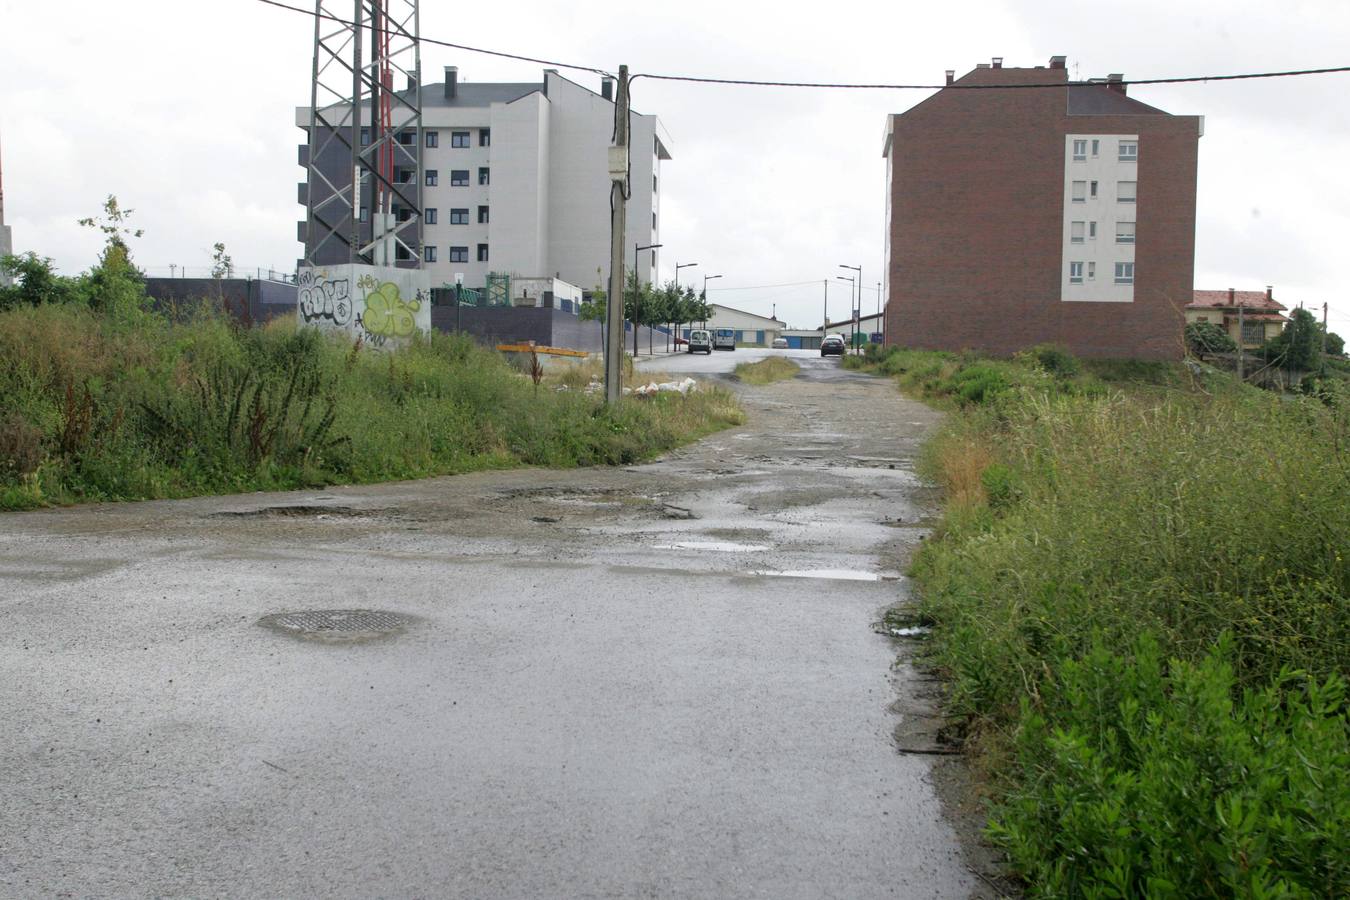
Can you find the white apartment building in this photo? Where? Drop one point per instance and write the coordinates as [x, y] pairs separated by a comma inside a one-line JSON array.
[[515, 180]]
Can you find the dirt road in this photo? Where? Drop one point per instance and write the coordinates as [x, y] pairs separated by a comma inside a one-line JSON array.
[[659, 681]]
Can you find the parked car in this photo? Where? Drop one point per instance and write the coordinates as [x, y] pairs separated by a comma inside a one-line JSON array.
[[700, 342], [724, 339], [832, 345], [780, 343], [680, 342]]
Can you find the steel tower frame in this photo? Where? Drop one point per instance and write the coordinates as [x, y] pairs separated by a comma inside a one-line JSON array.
[[352, 89]]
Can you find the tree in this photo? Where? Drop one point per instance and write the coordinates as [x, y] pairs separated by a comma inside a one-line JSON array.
[[636, 300], [1206, 338], [1299, 346], [222, 266], [1335, 344], [35, 282], [115, 285]]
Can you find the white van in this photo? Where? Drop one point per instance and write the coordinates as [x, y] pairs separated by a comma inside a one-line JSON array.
[[724, 339]]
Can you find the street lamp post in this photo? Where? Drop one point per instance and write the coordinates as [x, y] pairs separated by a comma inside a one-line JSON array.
[[706, 279], [857, 309], [678, 267], [852, 284], [637, 287]]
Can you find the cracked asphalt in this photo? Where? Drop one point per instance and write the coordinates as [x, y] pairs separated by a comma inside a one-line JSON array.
[[660, 681]]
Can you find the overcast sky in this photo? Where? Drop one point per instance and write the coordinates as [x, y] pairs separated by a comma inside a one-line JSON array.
[[184, 110]]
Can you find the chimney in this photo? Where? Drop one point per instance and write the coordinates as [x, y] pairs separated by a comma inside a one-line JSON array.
[[607, 88], [1270, 292], [451, 82], [1116, 82], [998, 62], [1231, 297], [1057, 62], [951, 75]]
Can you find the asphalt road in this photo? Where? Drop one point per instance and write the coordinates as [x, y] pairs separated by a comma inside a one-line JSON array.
[[662, 681]]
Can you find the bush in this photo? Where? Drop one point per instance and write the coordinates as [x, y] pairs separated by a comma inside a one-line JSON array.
[[1206, 338], [1139, 778], [978, 384], [1205, 529], [1054, 359]]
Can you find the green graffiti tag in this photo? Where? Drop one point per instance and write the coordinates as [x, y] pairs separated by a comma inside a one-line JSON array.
[[388, 314]]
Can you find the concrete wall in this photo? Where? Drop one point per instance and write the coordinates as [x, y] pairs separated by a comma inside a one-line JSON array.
[[546, 327], [248, 300]]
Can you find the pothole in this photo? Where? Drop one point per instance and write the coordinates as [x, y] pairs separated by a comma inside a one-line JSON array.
[[297, 511], [337, 625]]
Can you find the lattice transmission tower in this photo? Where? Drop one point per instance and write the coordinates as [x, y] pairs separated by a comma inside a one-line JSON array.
[[363, 200]]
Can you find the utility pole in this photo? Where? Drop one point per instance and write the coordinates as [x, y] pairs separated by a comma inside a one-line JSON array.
[[825, 322], [1324, 333], [618, 195]]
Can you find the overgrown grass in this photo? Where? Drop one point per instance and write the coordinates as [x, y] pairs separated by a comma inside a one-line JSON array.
[[94, 409], [1142, 605], [767, 370]]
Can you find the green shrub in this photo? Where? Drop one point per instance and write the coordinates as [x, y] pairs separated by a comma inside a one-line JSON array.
[[1139, 778], [1206, 338], [978, 384], [1054, 359]]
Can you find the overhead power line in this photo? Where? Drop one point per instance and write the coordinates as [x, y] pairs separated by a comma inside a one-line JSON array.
[[426, 40], [983, 87], [826, 85]]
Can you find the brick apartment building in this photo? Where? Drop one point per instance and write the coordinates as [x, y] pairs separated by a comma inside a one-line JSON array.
[[1018, 216]]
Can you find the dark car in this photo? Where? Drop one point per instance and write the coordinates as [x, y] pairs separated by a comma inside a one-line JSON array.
[[833, 345]]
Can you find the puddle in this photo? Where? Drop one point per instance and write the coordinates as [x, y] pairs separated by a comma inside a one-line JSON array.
[[832, 574], [719, 546]]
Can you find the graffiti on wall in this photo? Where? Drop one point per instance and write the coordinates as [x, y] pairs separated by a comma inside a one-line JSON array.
[[387, 305]]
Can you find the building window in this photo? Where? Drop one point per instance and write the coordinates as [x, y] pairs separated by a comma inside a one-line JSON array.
[[459, 254], [484, 175], [1075, 273], [365, 137], [1092, 231], [403, 176], [485, 137], [401, 253], [482, 215], [402, 214], [1079, 191], [1095, 145], [653, 222], [1125, 191], [429, 253], [433, 177], [653, 184], [1124, 273], [1076, 232], [1092, 189], [482, 252], [459, 177], [1253, 333], [1124, 232], [433, 139], [1080, 150], [1129, 151], [459, 139], [365, 214], [429, 215], [459, 217], [407, 138], [1092, 271]]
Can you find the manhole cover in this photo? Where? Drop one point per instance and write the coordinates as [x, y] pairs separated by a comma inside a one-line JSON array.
[[337, 624]]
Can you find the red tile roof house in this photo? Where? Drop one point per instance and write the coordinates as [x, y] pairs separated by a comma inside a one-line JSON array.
[[1262, 315]]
